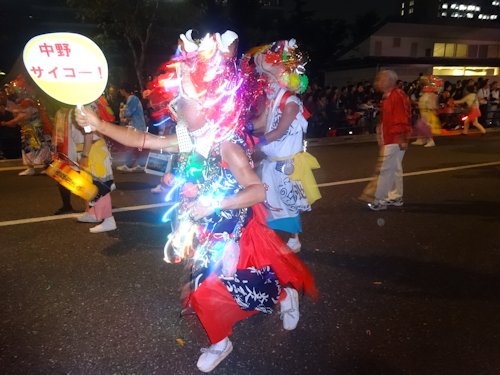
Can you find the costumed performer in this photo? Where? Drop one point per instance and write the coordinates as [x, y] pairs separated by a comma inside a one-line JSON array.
[[93, 156], [286, 169], [471, 101], [239, 265], [35, 126], [428, 104]]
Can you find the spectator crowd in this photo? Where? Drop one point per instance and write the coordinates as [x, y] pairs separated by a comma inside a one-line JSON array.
[[353, 109]]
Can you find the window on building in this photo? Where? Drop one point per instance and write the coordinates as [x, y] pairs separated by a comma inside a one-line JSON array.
[[396, 42], [414, 49], [378, 48], [472, 50], [493, 52], [438, 50], [482, 53], [449, 50], [271, 3], [461, 50]]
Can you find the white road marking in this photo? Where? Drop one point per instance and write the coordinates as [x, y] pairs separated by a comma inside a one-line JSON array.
[[75, 215], [328, 184], [418, 173]]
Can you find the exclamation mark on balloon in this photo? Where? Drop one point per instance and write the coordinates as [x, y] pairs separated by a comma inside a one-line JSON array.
[[100, 72]]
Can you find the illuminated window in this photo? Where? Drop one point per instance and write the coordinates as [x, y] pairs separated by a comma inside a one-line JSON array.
[[444, 6], [467, 71], [453, 6], [402, 12], [461, 50], [438, 50], [466, 51], [412, 3], [470, 15], [402, 5], [444, 14], [410, 11], [449, 50]]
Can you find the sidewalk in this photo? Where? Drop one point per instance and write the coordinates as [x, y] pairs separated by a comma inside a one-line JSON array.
[[362, 138]]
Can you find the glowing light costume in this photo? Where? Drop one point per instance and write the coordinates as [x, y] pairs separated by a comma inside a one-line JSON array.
[[229, 248]]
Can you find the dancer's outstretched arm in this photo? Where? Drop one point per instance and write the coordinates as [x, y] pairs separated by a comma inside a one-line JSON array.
[[125, 135]]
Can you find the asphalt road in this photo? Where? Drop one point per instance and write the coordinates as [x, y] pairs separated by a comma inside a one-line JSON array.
[[411, 290]]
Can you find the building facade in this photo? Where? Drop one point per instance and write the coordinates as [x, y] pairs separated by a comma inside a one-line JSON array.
[[477, 10], [449, 50]]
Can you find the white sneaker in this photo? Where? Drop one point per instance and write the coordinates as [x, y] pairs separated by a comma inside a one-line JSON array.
[[294, 244], [87, 218], [290, 309], [108, 224], [430, 143], [27, 172], [418, 142], [124, 168], [158, 189], [137, 168], [214, 355]]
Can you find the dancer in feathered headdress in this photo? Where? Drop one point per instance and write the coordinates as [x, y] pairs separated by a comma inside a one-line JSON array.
[[239, 266], [428, 123], [286, 169]]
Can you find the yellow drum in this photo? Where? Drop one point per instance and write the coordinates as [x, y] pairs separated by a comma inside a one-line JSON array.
[[79, 183]]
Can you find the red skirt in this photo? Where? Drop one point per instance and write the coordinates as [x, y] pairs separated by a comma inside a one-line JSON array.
[[474, 114], [260, 246]]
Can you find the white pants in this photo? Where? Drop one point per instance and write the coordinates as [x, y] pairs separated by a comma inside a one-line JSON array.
[[390, 178], [387, 183]]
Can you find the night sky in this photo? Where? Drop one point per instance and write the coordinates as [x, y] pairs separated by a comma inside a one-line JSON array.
[[350, 9], [13, 16]]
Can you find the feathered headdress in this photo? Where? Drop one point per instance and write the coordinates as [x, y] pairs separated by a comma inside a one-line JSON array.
[[281, 60], [431, 83], [204, 70]]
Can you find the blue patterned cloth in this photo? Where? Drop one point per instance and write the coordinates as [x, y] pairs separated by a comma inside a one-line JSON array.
[[254, 289]]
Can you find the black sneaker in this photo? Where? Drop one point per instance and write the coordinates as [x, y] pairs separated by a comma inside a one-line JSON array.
[[395, 202], [377, 206]]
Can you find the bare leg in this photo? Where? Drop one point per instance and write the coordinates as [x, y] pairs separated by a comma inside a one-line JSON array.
[[479, 126], [466, 126]]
